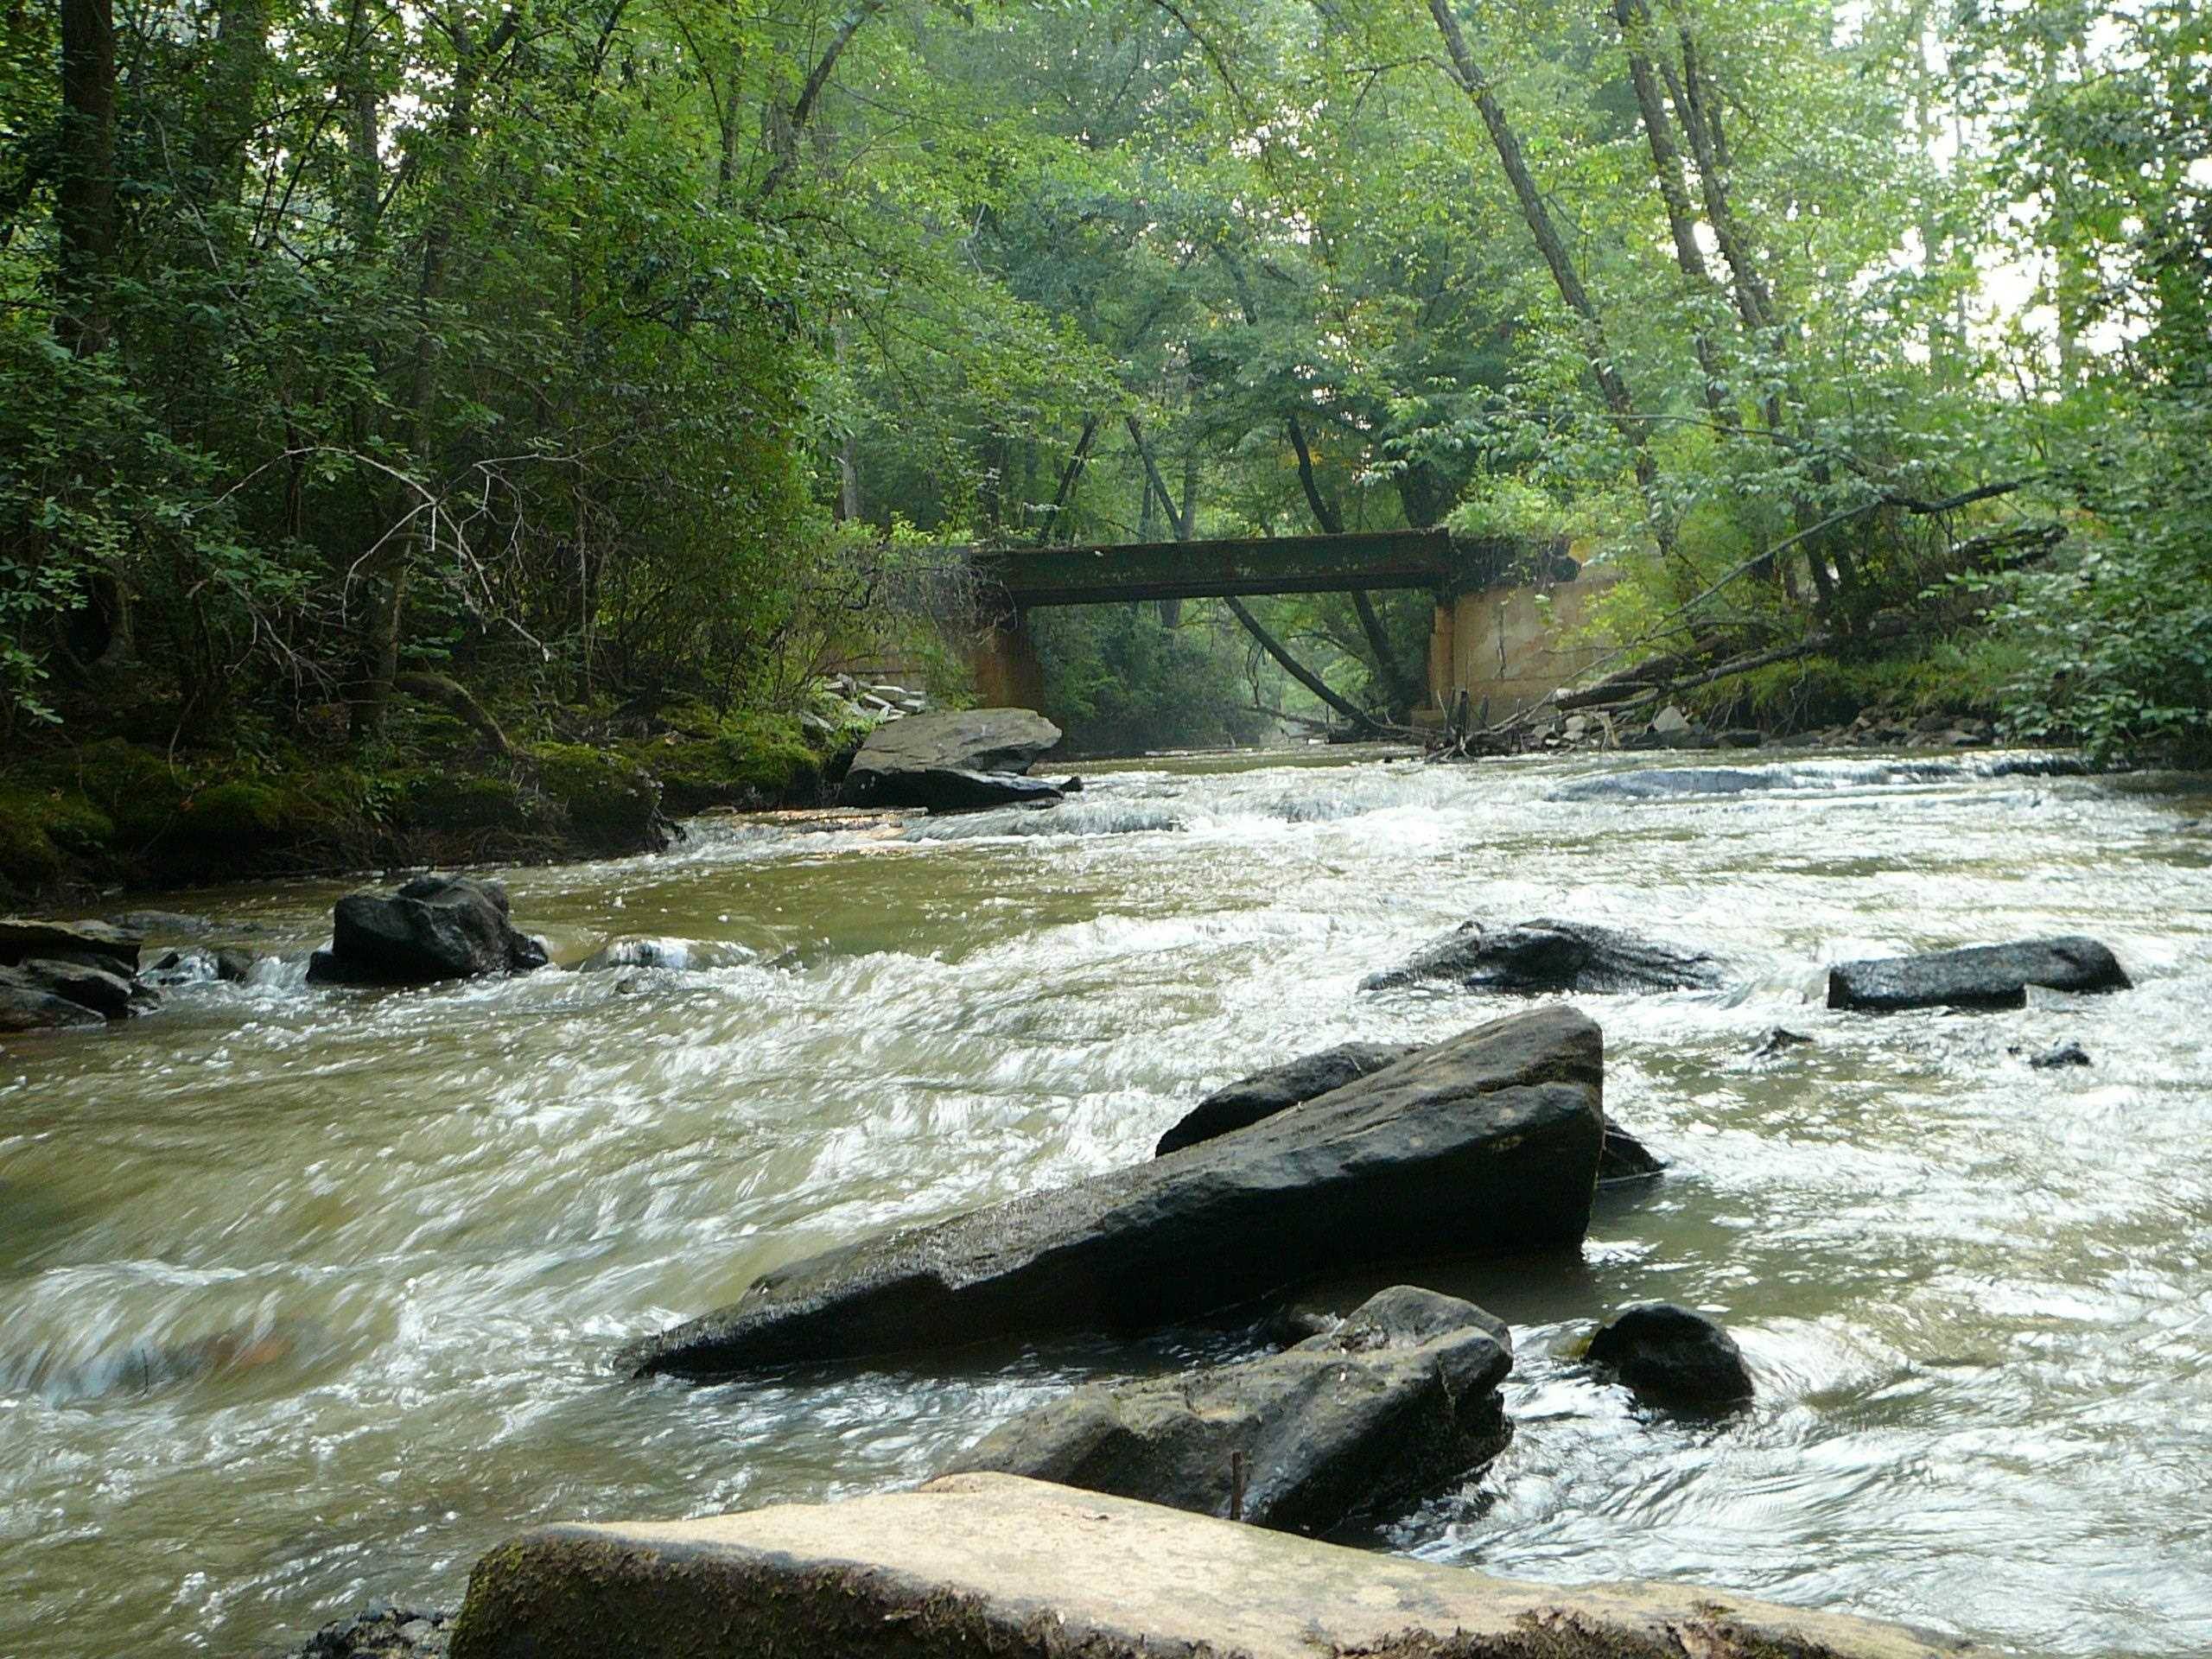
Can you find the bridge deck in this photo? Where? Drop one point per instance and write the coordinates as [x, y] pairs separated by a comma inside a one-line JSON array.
[[1433, 559]]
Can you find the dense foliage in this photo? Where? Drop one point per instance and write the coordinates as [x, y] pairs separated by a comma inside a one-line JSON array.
[[605, 354]]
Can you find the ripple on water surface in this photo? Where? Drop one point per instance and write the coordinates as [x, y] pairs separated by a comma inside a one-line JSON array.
[[307, 1296]]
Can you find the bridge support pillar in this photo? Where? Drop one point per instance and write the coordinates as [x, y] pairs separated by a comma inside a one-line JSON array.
[[1008, 674], [1507, 648]]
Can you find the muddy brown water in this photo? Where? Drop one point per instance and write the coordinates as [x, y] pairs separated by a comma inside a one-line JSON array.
[[309, 1296]]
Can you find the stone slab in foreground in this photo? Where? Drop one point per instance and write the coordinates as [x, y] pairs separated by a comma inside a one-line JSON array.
[[977, 1564], [1488, 1141]]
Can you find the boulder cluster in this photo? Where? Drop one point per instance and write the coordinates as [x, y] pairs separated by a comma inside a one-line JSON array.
[[60, 974]]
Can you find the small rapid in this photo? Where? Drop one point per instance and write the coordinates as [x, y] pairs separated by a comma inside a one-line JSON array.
[[309, 1295]]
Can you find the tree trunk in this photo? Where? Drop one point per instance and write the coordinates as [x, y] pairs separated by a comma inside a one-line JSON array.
[[1673, 194], [1611, 386], [84, 205], [232, 94], [1252, 625], [1400, 695]]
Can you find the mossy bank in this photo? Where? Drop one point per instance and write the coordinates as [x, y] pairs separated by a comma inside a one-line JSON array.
[[76, 818]]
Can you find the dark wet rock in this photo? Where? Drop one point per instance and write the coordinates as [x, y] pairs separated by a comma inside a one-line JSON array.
[[1396, 1403], [1981, 976], [946, 789], [96, 941], [1070, 785], [380, 1632], [1625, 1157], [1674, 1357], [1487, 1142], [1553, 957], [1779, 1040], [1265, 1093], [434, 927], [110, 995], [2065, 1054], [25, 1005], [887, 771], [201, 964], [1621, 1157]]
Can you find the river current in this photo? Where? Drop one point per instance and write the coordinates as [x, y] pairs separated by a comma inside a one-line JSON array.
[[309, 1296]]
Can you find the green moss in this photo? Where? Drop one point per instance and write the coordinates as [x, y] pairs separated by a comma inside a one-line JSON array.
[[138, 790], [610, 804], [42, 831], [755, 760], [440, 801]]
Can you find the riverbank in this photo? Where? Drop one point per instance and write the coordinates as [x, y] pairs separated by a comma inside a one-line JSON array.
[[445, 786]]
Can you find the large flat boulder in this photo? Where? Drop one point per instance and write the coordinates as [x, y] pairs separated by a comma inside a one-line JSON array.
[[1549, 957], [888, 768], [434, 927], [1487, 1142], [1397, 1401], [96, 942], [994, 1564], [1981, 976]]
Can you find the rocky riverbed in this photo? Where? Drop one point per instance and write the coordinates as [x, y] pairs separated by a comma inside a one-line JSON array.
[[313, 1293]]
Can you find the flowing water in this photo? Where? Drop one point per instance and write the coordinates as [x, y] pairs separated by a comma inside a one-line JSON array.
[[309, 1296]]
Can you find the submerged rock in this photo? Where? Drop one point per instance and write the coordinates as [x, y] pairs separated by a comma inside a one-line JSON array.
[[1981, 976], [380, 1632], [1553, 957], [1280, 1087], [1779, 1040], [1674, 1357], [1625, 1157], [888, 771], [1396, 1402], [1489, 1141], [434, 927], [997, 1565], [2065, 1054]]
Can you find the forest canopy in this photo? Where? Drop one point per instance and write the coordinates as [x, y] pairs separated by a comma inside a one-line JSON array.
[[601, 355]]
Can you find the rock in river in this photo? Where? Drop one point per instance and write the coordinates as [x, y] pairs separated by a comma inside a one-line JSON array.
[[1247, 1101], [26, 1005], [887, 771], [1265, 1093], [94, 942], [975, 1565], [434, 927], [948, 789], [1396, 1402], [1553, 957], [1674, 1357], [60, 974], [1982, 976], [1489, 1141]]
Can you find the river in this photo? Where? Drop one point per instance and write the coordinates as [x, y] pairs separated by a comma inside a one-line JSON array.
[[309, 1296]]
